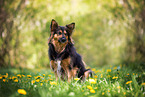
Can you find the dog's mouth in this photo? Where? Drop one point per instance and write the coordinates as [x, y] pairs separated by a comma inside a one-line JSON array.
[[62, 40]]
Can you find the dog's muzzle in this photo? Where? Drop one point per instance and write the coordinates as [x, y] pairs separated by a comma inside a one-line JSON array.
[[62, 40]]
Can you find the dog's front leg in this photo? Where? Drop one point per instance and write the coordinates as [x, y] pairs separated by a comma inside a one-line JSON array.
[[53, 66]]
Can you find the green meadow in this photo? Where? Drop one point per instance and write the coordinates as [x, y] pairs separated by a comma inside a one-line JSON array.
[[116, 81]]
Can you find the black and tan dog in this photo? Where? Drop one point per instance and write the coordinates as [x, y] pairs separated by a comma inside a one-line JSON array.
[[64, 60]]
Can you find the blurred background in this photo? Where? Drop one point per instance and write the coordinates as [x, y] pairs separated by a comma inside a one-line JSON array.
[[107, 31]]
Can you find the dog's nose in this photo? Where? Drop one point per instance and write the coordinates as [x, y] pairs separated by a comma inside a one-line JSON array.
[[63, 39]]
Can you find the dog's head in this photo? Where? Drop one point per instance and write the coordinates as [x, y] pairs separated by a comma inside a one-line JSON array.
[[61, 34]]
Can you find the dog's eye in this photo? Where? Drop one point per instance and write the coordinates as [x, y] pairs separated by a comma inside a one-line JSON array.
[[65, 33], [59, 33]]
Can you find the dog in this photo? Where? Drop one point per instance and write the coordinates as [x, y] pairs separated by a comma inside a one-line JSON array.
[[65, 62]]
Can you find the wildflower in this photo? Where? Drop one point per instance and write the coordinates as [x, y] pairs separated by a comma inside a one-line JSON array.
[[33, 81], [92, 81], [93, 69], [143, 84], [37, 80], [118, 87], [95, 76], [14, 77], [1, 77], [19, 76], [103, 93], [4, 76], [89, 87], [108, 90], [50, 79], [37, 77], [53, 83], [101, 75], [4, 80], [124, 93], [49, 75], [115, 77], [115, 67], [22, 91], [128, 82], [76, 79], [16, 80], [92, 91], [29, 76], [133, 73], [127, 73], [41, 84], [23, 75], [96, 88], [108, 70], [43, 74], [97, 71]]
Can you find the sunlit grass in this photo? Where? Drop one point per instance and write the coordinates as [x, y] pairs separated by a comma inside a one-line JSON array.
[[113, 81]]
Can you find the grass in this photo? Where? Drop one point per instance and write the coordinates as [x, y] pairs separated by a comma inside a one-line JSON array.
[[118, 81]]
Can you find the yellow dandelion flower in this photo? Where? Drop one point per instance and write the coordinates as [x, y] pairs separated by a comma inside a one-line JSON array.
[[103, 93], [22, 91], [33, 81], [4, 80], [96, 88], [115, 77], [41, 84], [92, 91], [4, 76], [38, 80], [76, 79], [108, 90], [14, 77], [93, 69], [19, 76], [29, 76], [108, 70], [16, 80], [50, 79], [53, 83], [95, 76], [92, 81], [1, 77], [133, 74], [118, 87], [127, 73], [97, 71], [128, 82], [143, 84], [101, 75], [49, 75], [124, 93], [43, 74], [115, 67], [89, 87], [23, 75]]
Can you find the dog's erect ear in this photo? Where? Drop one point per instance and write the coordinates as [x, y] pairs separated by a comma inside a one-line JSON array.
[[71, 27], [53, 25]]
